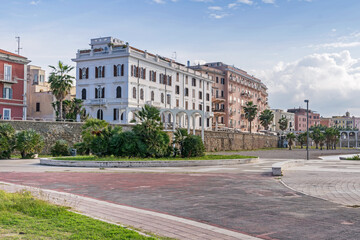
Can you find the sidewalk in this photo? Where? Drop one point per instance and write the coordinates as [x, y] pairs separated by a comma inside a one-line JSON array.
[[148, 221]]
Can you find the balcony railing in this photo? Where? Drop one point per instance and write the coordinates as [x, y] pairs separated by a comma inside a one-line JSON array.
[[217, 99], [232, 90], [218, 110], [96, 101], [8, 79]]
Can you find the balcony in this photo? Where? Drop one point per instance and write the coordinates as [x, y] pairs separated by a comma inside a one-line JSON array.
[[232, 102], [232, 113], [96, 102], [218, 112], [217, 100], [232, 90], [7, 79]]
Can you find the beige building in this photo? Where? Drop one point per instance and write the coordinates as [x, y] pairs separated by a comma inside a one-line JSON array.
[[39, 96], [278, 114]]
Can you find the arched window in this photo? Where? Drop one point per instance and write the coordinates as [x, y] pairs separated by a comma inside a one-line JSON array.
[[142, 94], [122, 117], [100, 114], [152, 96], [162, 97], [118, 92], [134, 92], [122, 70], [83, 94], [103, 92]]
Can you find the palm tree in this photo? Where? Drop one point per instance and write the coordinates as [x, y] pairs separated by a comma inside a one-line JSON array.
[[321, 140], [266, 118], [290, 137], [302, 138], [60, 83], [179, 137], [250, 112], [316, 135], [283, 123]]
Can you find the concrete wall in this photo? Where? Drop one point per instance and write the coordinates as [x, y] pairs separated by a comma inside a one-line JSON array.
[[214, 141]]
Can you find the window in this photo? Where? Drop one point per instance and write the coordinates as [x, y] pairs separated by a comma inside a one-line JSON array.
[[7, 72], [177, 89], [100, 72], [193, 106], [200, 121], [223, 81], [186, 105], [142, 94], [135, 71], [83, 94], [100, 92], [83, 73], [177, 102], [186, 92], [186, 80], [118, 70], [152, 96], [152, 76], [41, 78], [207, 97], [200, 83], [162, 97], [36, 80], [200, 95], [193, 82], [222, 93], [122, 117], [217, 79], [200, 107], [118, 92], [100, 114], [38, 107], [134, 92], [116, 114], [217, 93], [168, 100], [7, 114], [7, 93], [177, 77]]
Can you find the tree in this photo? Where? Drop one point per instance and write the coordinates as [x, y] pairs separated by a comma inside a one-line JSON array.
[[316, 135], [302, 138], [7, 140], [328, 137], [283, 123], [150, 132], [29, 143], [179, 137], [290, 137], [60, 83], [322, 140], [250, 112], [266, 118], [70, 109]]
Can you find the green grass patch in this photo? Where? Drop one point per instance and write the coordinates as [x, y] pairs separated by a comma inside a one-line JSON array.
[[23, 217], [356, 157], [112, 158]]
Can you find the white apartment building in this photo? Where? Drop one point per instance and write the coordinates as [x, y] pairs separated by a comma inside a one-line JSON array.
[[115, 80], [278, 114]]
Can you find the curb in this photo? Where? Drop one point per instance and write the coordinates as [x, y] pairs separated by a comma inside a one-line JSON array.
[[279, 167], [136, 164]]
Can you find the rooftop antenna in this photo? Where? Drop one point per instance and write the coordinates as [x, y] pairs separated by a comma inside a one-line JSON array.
[[174, 55], [18, 42]]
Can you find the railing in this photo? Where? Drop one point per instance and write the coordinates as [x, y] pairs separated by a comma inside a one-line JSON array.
[[7, 79], [218, 110], [97, 101]]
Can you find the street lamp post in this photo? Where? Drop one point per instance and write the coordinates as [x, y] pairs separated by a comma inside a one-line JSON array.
[[307, 129]]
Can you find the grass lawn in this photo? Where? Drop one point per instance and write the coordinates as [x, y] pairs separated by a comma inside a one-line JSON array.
[[355, 158], [23, 217], [206, 157]]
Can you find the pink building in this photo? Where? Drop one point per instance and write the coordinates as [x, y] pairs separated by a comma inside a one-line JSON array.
[[232, 89], [300, 119]]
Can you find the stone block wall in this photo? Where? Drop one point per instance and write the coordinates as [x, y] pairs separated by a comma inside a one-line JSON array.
[[214, 141]]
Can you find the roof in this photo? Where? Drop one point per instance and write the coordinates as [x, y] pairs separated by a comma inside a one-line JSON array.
[[10, 53]]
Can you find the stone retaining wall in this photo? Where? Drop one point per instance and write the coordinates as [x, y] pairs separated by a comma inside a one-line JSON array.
[[214, 141]]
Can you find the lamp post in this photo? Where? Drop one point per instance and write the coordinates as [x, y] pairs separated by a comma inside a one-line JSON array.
[[307, 129]]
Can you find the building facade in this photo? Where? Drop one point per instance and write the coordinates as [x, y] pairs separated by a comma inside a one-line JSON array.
[[40, 97], [278, 114], [233, 88], [13, 86], [115, 80], [301, 116]]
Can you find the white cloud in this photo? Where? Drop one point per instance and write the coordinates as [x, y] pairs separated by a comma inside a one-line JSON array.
[[159, 1], [248, 2], [330, 81], [218, 16], [269, 1], [215, 8], [35, 2], [232, 5], [337, 45]]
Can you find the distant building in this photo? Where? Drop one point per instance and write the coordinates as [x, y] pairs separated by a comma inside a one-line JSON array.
[[346, 121], [115, 80], [232, 89], [13, 86], [278, 114], [327, 122], [300, 118], [40, 97]]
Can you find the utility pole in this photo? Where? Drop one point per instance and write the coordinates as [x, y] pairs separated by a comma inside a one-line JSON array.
[[307, 129], [18, 43]]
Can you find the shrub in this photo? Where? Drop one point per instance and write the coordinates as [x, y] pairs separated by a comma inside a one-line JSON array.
[[127, 144], [100, 143], [91, 129], [81, 148], [60, 148], [193, 147], [7, 140], [29, 143]]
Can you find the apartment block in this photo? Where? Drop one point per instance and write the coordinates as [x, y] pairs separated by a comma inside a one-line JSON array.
[[300, 118]]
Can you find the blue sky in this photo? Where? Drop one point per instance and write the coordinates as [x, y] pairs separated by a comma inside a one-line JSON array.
[[297, 47]]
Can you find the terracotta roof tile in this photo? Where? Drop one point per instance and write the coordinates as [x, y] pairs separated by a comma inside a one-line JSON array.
[[10, 53]]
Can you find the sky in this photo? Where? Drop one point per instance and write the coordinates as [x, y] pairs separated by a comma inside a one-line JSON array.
[[301, 49]]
